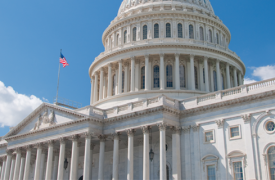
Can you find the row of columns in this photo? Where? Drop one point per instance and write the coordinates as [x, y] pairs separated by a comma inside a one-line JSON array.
[[134, 80]]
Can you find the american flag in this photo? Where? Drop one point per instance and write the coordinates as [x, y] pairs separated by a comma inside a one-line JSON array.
[[63, 60]]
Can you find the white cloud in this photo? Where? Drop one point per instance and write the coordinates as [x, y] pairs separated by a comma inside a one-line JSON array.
[[249, 81], [14, 107], [264, 72]]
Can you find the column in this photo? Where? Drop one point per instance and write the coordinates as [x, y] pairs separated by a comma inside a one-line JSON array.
[[176, 156], [116, 156], [87, 153], [38, 162], [146, 158], [211, 77], [109, 94], [60, 172], [42, 164], [55, 164], [126, 77], [102, 139], [27, 163], [12, 168], [49, 161], [192, 73], [162, 143], [202, 87], [119, 76], [137, 76], [101, 83], [240, 78], [92, 91], [74, 158], [91, 160], [218, 72], [3, 168], [206, 74], [132, 74], [161, 71], [177, 71], [96, 87], [130, 163], [22, 167], [235, 77], [8, 165], [228, 83], [147, 72], [17, 164]]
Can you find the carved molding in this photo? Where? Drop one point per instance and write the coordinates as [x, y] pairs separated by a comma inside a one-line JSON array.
[[220, 123], [162, 126]]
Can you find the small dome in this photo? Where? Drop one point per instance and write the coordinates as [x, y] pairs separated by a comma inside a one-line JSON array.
[[129, 4]]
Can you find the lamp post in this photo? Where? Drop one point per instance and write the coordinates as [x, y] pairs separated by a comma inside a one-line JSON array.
[[66, 164], [151, 153]]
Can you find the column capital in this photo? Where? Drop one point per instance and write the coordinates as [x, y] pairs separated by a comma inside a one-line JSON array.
[[116, 135], [220, 123], [145, 129], [196, 127], [177, 55], [9, 152], [192, 56], [218, 61], [205, 58], [162, 126], [50, 142], [119, 61], [87, 135], [130, 132], [110, 65], [133, 58], [176, 129], [186, 129], [18, 149], [246, 118], [146, 55], [161, 55], [102, 138], [27, 147], [96, 73], [125, 64], [38, 145], [75, 137], [62, 140]]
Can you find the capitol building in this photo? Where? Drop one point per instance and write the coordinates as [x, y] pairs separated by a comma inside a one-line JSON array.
[[167, 103]]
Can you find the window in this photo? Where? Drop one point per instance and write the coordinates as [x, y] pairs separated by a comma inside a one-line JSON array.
[[156, 31], [238, 170], [134, 34], [142, 78], [270, 126], [191, 32], [196, 78], [125, 37], [167, 172], [209, 136], [169, 76], [222, 82], [182, 76], [117, 39], [203, 75], [217, 36], [201, 34], [145, 32], [215, 81], [122, 82], [156, 76], [180, 35], [210, 36], [211, 172], [168, 30], [271, 162], [114, 85], [234, 132]]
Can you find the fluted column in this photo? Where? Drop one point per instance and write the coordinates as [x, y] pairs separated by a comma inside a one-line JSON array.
[[60, 172], [240, 78], [92, 91], [177, 71], [17, 164], [74, 158], [235, 77], [27, 163], [147, 72], [91, 159], [12, 168], [146, 158], [130, 163], [132, 74], [38, 162], [119, 76], [192, 73], [102, 139], [161, 72], [3, 168], [206, 75], [228, 81], [22, 167], [8, 166], [137, 76], [42, 164], [55, 164], [96, 87], [176, 160], [126, 89], [101, 83], [109, 93], [87, 154], [162, 130], [116, 156], [218, 72], [49, 161]]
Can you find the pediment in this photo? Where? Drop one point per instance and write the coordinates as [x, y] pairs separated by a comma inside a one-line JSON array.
[[236, 154], [46, 115]]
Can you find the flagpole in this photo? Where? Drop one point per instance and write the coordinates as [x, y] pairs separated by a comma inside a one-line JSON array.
[[58, 78]]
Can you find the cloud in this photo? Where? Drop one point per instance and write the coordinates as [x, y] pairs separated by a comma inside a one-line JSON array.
[[14, 107], [249, 81], [264, 72]]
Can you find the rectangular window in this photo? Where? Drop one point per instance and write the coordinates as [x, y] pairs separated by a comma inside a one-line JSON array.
[[211, 172], [234, 132], [209, 136], [238, 171]]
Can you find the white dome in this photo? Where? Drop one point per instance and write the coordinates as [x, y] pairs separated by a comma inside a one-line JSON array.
[[131, 4]]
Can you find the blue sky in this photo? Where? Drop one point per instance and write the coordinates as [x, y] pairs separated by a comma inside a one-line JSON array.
[[33, 32]]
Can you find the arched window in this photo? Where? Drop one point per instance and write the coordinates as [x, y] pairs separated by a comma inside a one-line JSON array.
[[168, 30], [156, 76], [196, 78], [122, 82], [215, 81], [145, 32], [125, 37], [222, 82], [117, 39], [180, 35], [134, 34], [142, 78], [156, 31], [114, 85], [271, 162], [191, 32], [169, 76], [217, 36], [182, 76], [210, 36], [201, 34]]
